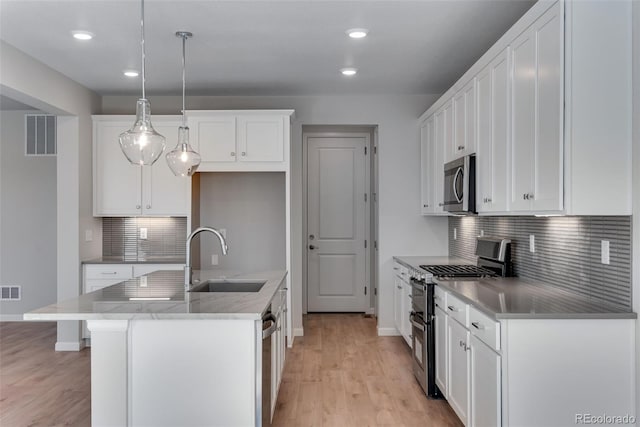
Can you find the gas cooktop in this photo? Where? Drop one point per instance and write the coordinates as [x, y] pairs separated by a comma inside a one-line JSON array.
[[458, 271]]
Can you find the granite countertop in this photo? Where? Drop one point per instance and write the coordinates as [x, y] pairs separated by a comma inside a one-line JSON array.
[[128, 260], [516, 298], [161, 295]]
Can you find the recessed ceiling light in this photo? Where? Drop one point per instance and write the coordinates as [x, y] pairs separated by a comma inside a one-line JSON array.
[[131, 73], [349, 71], [82, 35], [358, 33]]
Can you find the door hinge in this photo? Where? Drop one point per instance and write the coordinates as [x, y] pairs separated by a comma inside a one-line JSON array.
[[365, 197], [375, 197], [375, 245], [365, 244], [375, 291], [365, 289], [375, 150], [365, 151]]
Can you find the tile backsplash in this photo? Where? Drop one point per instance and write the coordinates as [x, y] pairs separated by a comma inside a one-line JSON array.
[[166, 237], [567, 251]]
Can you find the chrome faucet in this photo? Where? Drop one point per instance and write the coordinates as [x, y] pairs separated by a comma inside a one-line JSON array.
[[187, 267]]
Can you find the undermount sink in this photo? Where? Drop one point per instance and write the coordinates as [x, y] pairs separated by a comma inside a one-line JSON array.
[[227, 286]]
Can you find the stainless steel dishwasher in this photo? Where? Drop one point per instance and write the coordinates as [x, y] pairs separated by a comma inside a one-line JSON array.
[[269, 326]]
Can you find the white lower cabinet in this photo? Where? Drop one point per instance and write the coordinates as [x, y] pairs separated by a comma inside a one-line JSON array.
[[459, 370], [441, 350], [402, 302], [485, 408]]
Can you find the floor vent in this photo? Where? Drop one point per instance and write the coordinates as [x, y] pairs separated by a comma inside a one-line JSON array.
[[10, 293]]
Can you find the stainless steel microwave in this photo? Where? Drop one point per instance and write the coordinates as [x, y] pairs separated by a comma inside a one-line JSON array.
[[460, 185]]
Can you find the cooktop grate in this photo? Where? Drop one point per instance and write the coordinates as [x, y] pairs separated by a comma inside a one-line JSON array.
[[458, 271]]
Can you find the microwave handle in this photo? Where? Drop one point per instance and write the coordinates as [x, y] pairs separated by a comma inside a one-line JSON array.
[[455, 185]]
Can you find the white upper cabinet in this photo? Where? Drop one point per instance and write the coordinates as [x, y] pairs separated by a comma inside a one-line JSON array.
[[241, 140], [536, 144], [537, 109], [493, 135], [432, 161], [123, 189]]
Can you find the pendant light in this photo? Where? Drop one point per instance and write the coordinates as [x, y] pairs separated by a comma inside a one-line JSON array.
[[141, 144], [183, 160]]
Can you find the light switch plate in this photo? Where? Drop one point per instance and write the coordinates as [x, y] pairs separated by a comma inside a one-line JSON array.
[[214, 259], [532, 243], [481, 233], [604, 252], [143, 233], [143, 281], [88, 235]]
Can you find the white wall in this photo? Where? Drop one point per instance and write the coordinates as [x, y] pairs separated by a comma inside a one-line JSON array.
[[28, 220], [636, 189], [402, 230], [31, 82]]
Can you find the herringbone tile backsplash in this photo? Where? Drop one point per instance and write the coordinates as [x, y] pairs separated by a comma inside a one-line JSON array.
[[166, 237], [567, 251]]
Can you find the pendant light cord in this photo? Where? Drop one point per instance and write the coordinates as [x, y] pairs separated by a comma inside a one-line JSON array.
[[142, 45], [184, 80]]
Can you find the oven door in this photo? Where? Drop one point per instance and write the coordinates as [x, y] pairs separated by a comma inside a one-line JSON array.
[[419, 349]]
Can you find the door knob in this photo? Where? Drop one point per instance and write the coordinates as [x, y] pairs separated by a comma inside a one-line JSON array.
[[311, 237], [312, 247]]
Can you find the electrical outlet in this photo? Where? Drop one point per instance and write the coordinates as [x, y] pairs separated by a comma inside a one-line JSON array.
[[532, 243], [143, 281], [143, 233], [455, 234], [214, 259], [223, 231], [604, 252], [88, 235], [481, 233]]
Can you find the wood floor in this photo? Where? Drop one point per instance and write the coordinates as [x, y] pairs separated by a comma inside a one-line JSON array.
[[339, 374]]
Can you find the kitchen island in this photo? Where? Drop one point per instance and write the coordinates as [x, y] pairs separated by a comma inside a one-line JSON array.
[[162, 356]]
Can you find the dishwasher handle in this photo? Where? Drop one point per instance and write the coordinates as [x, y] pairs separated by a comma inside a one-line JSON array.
[[266, 333]]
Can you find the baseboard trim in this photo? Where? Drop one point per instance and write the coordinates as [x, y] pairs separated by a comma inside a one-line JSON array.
[[11, 318], [298, 332], [388, 332], [69, 345]]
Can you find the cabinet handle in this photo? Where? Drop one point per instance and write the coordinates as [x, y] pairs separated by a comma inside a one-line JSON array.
[[477, 325], [233, 154], [460, 147], [148, 206], [396, 268], [441, 204], [137, 206], [425, 206], [460, 344], [452, 308], [243, 153], [530, 196], [410, 296], [399, 287], [489, 200]]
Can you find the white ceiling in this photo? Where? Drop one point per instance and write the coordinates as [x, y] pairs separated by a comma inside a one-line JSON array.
[[262, 47]]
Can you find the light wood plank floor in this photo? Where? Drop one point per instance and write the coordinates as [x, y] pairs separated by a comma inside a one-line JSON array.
[[339, 374], [342, 374]]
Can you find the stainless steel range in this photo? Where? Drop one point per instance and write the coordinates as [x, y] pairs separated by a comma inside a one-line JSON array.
[[494, 259]]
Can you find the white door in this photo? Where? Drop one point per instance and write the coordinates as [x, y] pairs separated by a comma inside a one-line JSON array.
[[486, 399], [337, 199]]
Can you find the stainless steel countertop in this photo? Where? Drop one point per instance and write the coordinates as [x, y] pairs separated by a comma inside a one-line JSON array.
[[128, 260], [114, 302], [515, 298]]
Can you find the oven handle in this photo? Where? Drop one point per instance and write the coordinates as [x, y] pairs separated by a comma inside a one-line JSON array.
[[414, 323], [455, 182]]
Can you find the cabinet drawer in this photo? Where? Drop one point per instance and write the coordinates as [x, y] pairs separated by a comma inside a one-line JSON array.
[[485, 328], [458, 310], [440, 298], [108, 271]]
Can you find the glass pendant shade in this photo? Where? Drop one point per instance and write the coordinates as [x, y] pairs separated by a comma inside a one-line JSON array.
[[183, 160], [141, 144]]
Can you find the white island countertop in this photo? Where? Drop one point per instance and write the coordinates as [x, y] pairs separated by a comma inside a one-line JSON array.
[[161, 295]]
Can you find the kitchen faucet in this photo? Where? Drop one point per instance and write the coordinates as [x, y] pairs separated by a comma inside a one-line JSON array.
[[187, 267]]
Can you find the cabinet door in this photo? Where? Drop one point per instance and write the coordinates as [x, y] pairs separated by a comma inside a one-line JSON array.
[[548, 156], [492, 135], [459, 362], [397, 303], [163, 193], [214, 137], [459, 125], [440, 148], [469, 146], [486, 385], [406, 319], [441, 350], [117, 184], [261, 138], [447, 131], [427, 162], [523, 119]]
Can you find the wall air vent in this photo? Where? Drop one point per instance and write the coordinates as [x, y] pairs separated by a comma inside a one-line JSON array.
[[40, 135], [12, 293]]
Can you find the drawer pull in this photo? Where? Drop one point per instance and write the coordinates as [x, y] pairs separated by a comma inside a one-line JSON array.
[[452, 308], [477, 325]]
